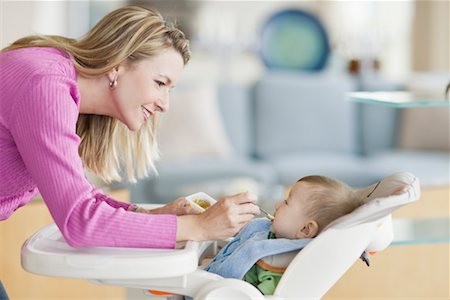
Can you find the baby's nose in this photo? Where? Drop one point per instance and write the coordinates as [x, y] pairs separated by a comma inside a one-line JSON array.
[[277, 204]]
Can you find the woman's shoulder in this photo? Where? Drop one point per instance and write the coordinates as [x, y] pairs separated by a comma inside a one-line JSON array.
[[39, 60], [35, 53], [26, 75]]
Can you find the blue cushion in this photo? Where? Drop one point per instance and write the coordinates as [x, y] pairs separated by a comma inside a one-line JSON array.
[[234, 104], [298, 112], [378, 127], [175, 179], [431, 167], [351, 169]]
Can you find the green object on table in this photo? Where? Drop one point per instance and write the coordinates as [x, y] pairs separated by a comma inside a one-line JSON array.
[[421, 231], [401, 99]]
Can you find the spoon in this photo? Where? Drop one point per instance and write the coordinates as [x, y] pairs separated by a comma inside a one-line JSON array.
[[269, 216]]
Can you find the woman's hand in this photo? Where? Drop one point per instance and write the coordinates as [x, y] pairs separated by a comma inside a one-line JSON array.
[[222, 220], [178, 207]]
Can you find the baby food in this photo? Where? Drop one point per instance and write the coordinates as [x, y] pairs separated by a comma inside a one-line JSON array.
[[202, 203]]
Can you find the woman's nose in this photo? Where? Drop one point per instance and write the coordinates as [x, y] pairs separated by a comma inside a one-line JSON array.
[[163, 103]]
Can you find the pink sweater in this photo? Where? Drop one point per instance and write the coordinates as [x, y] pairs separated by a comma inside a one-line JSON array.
[[39, 107]]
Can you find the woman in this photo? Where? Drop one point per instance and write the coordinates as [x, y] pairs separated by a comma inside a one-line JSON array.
[[95, 101]]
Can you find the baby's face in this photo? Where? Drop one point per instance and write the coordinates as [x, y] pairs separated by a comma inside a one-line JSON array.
[[290, 213]]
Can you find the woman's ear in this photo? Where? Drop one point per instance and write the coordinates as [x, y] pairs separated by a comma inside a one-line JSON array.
[[309, 230], [113, 74]]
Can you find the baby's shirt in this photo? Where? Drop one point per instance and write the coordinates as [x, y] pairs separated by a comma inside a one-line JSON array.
[[266, 281], [249, 246]]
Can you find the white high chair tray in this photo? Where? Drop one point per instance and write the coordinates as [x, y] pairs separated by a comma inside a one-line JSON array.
[[47, 253]]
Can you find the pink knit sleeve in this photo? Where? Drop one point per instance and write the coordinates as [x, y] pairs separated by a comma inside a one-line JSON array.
[[43, 127]]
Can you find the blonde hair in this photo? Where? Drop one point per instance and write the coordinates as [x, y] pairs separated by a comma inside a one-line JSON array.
[[329, 199], [126, 34]]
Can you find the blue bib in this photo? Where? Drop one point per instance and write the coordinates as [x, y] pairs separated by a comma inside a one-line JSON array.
[[249, 246]]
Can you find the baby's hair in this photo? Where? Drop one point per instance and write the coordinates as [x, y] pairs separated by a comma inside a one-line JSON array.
[[329, 199]]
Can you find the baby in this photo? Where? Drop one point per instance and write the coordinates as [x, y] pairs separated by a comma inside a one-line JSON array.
[[260, 253]]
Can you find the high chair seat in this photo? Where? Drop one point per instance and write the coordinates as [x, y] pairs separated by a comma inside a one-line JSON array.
[[310, 275], [368, 228]]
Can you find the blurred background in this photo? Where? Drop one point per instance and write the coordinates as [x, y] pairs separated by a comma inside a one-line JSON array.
[[265, 101], [269, 79], [405, 36]]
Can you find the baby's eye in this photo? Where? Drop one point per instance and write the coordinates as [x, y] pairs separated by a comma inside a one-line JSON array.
[[160, 83], [285, 201]]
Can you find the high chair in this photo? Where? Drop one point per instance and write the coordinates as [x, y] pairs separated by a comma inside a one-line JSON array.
[[314, 270]]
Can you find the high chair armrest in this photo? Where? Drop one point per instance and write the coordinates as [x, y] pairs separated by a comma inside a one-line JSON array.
[[47, 253]]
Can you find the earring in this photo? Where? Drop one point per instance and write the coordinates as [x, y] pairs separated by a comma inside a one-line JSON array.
[[113, 84]]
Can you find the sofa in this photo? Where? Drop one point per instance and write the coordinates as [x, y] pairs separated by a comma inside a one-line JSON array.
[[289, 124]]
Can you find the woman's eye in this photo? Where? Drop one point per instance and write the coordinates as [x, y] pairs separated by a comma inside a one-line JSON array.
[[285, 201], [160, 83]]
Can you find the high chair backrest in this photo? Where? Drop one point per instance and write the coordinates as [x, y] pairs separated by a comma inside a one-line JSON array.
[[324, 260]]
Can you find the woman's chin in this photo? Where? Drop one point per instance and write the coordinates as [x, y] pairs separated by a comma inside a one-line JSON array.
[[133, 126]]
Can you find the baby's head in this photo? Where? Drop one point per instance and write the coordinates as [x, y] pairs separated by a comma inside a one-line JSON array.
[[312, 203]]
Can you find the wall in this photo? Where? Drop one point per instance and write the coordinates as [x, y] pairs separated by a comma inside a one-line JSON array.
[[406, 36], [16, 20], [431, 41], [67, 18]]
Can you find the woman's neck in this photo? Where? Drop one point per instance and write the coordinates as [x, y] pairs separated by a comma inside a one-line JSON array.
[[95, 96]]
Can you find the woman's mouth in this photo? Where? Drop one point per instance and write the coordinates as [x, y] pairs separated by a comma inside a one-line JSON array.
[[147, 113]]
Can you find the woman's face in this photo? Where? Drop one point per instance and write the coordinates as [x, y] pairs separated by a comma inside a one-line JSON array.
[[290, 214], [143, 87]]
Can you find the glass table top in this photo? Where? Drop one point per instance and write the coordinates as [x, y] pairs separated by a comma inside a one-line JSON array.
[[400, 99], [421, 231]]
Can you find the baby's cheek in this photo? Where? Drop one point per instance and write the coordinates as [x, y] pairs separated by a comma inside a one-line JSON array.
[[273, 227]]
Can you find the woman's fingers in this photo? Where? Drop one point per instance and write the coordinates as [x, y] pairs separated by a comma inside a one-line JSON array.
[[248, 208], [183, 207], [229, 215], [177, 207], [246, 197], [235, 206], [244, 218]]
